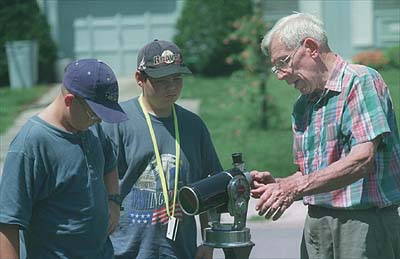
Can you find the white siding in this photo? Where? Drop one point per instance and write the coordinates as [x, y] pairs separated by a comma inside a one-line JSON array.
[[118, 39]]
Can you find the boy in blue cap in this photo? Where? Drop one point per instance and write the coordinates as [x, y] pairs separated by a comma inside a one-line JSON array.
[[59, 173]]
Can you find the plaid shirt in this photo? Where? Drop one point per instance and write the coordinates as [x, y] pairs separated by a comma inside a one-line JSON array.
[[354, 108]]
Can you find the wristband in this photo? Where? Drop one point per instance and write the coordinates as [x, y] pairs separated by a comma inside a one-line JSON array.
[[116, 198]]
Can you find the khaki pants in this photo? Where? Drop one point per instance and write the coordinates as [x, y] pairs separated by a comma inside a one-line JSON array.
[[369, 233]]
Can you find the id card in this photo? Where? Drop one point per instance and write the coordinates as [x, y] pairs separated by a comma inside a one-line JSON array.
[[172, 228]]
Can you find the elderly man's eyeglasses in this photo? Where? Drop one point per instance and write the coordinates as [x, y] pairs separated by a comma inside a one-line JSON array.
[[284, 63], [92, 116]]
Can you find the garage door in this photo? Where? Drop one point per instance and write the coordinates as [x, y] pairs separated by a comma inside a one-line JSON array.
[[118, 39]]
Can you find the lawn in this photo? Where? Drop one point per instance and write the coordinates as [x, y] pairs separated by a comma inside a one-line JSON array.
[[229, 106], [13, 101], [392, 79]]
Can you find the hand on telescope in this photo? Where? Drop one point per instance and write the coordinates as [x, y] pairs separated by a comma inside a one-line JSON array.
[[204, 252], [262, 177], [275, 195], [260, 180]]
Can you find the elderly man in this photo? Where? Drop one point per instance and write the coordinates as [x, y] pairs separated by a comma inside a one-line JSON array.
[[346, 146]]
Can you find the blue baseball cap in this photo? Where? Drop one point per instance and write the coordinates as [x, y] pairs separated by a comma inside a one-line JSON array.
[[94, 80]]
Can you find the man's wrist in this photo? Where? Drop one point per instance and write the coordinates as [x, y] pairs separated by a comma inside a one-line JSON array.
[[117, 199]]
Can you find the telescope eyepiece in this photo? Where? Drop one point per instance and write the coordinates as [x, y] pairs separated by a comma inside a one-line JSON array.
[[237, 158]]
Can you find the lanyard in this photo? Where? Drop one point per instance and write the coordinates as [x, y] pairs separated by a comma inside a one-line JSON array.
[[158, 159]]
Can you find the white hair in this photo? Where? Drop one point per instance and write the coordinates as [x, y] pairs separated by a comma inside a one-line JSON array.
[[291, 30]]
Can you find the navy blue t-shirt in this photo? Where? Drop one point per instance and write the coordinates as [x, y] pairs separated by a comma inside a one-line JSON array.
[[142, 229], [52, 187]]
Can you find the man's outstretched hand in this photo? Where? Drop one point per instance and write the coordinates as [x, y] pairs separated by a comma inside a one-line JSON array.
[[275, 195]]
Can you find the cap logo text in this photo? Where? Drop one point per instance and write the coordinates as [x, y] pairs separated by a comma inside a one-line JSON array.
[[167, 57], [142, 65]]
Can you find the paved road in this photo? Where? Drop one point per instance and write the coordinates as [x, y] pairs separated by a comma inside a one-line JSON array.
[[272, 239]]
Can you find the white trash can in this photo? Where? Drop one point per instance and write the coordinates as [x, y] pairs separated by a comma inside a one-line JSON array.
[[22, 58]]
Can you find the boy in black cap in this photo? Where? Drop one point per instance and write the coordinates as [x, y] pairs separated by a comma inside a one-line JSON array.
[[159, 149], [58, 173]]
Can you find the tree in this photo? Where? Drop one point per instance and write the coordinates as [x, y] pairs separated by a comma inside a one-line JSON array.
[[249, 31], [200, 32]]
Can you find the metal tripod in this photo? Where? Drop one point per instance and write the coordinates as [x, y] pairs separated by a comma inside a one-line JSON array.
[[234, 238]]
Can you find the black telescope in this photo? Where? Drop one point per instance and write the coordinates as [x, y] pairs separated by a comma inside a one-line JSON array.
[[212, 192], [208, 193], [227, 191]]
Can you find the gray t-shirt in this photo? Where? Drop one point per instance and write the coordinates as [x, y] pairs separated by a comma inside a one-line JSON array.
[[142, 229], [52, 187]]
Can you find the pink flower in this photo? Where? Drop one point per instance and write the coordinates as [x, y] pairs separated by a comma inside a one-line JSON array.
[[229, 60], [238, 133], [375, 58], [236, 25]]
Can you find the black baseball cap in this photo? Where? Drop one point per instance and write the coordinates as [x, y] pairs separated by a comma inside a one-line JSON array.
[[161, 58], [94, 80]]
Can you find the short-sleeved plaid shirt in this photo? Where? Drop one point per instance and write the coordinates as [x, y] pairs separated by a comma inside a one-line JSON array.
[[354, 108]]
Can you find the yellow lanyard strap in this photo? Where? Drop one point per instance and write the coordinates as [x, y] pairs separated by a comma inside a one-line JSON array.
[[158, 158]]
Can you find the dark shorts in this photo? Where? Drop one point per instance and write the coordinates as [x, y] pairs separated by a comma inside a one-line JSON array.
[[367, 233]]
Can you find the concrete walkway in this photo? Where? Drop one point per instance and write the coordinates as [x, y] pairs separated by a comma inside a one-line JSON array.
[[279, 239]]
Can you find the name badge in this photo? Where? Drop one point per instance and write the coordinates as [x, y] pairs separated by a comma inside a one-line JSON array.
[[172, 228]]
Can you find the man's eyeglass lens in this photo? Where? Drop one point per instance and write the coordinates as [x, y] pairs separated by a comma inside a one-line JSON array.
[[283, 63], [280, 64]]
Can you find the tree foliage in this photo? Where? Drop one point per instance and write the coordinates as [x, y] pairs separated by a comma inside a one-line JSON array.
[[249, 31], [393, 55], [200, 32]]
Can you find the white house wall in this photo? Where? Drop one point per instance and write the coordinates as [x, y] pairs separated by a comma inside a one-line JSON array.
[[114, 30], [111, 30], [118, 39], [387, 27], [362, 22], [352, 25], [312, 7]]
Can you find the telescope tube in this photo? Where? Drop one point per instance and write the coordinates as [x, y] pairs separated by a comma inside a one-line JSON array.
[[207, 193]]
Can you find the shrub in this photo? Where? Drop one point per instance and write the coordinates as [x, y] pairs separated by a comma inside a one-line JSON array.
[[200, 32], [249, 31], [393, 55], [372, 58], [22, 20]]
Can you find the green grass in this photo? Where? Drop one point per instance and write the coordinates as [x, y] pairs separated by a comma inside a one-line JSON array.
[[256, 218], [231, 114], [13, 101], [392, 79]]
